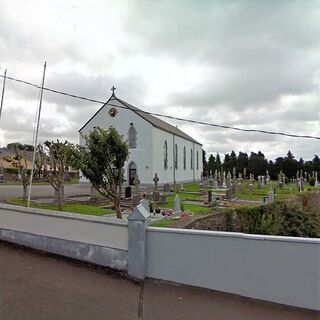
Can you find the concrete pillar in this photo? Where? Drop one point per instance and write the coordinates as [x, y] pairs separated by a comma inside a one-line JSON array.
[[137, 223]]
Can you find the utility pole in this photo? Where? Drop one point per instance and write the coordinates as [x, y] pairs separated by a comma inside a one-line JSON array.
[[2, 96], [37, 132]]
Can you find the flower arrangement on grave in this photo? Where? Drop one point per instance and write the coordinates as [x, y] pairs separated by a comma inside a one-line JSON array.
[[185, 214], [167, 213]]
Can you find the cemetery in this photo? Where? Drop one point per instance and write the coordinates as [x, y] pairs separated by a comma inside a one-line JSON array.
[[219, 202]]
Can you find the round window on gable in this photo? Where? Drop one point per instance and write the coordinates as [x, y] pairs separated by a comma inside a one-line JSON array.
[[112, 112]]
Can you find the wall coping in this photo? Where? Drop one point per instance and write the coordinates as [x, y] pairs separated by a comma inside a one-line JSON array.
[[238, 235], [64, 215]]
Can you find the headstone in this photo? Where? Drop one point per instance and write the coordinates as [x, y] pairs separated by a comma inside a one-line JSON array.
[[155, 181], [210, 180], [240, 178], [224, 184], [177, 206], [228, 183], [146, 204], [245, 173], [166, 187], [259, 182], [203, 190], [181, 186], [316, 182], [156, 196], [136, 199], [271, 196], [251, 181], [210, 196], [127, 192], [136, 183]]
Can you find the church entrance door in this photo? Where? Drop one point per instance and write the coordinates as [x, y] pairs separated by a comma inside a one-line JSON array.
[[132, 172]]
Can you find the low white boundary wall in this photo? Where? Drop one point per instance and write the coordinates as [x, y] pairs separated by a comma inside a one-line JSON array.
[[89, 238], [284, 270], [279, 269]]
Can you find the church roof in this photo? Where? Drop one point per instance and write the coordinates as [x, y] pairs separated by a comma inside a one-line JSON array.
[[156, 122]]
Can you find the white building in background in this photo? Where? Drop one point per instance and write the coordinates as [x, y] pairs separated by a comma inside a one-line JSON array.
[[155, 146]]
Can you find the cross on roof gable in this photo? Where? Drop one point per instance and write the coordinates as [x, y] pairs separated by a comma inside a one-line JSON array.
[[156, 122]]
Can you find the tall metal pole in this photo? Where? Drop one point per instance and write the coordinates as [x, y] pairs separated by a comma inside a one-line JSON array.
[[2, 96], [37, 132]]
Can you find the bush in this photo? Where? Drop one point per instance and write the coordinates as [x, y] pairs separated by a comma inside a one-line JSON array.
[[280, 218], [312, 181]]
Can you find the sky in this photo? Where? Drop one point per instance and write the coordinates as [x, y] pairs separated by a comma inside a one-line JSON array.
[[249, 64]]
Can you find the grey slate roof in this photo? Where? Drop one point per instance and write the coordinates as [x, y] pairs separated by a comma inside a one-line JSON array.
[[156, 122]]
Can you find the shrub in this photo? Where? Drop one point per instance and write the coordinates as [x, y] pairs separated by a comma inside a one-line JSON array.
[[280, 218], [312, 181]]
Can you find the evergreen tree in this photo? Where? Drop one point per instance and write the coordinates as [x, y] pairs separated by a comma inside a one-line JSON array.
[[211, 163]]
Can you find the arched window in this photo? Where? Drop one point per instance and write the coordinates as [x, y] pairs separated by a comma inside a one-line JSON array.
[[176, 156], [165, 155], [197, 160], [184, 158], [191, 159], [132, 137]]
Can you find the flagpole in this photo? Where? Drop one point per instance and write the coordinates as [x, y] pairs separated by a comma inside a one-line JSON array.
[[2, 96], [37, 132]]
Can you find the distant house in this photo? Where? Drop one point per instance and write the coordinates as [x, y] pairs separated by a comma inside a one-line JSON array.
[[155, 146], [7, 157]]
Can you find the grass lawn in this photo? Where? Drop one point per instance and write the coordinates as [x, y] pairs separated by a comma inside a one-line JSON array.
[[187, 207], [256, 194], [88, 209]]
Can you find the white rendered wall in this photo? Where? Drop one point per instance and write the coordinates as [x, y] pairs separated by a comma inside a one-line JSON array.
[[142, 155], [68, 226], [181, 174], [284, 270]]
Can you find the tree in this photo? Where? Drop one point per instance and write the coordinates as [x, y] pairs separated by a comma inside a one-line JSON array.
[[217, 163], [20, 146], [227, 165], [290, 165], [257, 164], [204, 162], [54, 159], [20, 162], [211, 163], [101, 161], [242, 161]]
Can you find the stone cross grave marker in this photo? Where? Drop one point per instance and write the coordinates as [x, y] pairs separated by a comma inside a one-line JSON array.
[[177, 205], [155, 181], [156, 194], [136, 197]]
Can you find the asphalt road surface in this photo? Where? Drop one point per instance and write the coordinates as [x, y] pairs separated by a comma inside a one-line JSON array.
[[37, 286], [8, 191]]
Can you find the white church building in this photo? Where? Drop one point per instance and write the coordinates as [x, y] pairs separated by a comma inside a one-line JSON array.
[[155, 146]]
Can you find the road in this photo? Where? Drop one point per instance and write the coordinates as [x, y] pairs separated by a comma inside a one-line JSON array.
[[35, 285], [8, 191]]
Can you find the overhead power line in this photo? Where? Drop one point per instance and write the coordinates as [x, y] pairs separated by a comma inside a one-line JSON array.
[[166, 116]]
